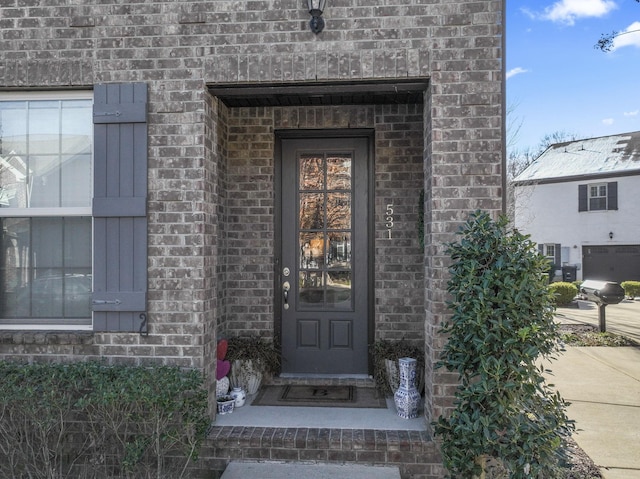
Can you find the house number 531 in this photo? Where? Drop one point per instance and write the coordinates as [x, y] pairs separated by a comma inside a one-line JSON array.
[[389, 219]]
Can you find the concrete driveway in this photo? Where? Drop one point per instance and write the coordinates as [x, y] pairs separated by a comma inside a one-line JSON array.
[[603, 386]]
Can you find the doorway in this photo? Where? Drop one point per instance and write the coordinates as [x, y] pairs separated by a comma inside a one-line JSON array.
[[324, 252]]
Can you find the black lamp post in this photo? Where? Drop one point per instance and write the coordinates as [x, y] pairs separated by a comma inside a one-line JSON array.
[[316, 7]]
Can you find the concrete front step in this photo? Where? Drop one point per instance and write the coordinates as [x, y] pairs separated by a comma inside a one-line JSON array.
[[270, 470]]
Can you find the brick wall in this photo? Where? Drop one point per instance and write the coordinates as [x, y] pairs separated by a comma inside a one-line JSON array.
[[179, 48], [249, 235], [399, 258]]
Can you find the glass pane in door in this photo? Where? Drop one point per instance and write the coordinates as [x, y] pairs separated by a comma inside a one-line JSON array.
[[324, 234], [312, 250], [338, 210], [311, 172], [339, 172], [339, 252], [312, 211]]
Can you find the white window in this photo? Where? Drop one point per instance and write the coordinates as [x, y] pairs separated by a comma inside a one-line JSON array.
[[598, 196], [46, 157], [550, 251]]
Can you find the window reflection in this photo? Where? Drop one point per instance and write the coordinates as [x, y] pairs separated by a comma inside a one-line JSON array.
[[45, 268], [312, 250], [311, 289], [311, 172], [338, 210], [312, 211], [45, 154], [339, 288], [339, 250], [339, 172], [325, 221]]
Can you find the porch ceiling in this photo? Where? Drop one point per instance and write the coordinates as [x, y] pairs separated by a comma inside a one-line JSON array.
[[320, 93]]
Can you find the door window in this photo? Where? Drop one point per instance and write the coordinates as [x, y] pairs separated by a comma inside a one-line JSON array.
[[324, 257]]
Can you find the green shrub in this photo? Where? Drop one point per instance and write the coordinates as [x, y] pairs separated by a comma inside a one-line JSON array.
[[255, 348], [85, 420], [36, 414], [631, 288], [501, 325], [563, 293]]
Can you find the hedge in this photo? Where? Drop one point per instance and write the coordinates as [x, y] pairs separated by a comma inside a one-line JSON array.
[[87, 420], [563, 293], [631, 288]]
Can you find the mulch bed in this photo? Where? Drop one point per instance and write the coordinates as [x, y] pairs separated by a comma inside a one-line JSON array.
[[589, 335], [579, 466]]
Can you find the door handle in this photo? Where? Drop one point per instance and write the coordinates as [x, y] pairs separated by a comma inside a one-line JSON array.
[[285, 293]]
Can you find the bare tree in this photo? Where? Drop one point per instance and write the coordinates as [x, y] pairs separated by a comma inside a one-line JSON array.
[[519, 160], [606, 40]]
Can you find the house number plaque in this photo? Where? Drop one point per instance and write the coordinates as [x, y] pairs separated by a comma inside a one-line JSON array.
[[389, 219]]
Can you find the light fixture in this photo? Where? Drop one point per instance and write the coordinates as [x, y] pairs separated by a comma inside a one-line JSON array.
[[316, 7], [610, 234]]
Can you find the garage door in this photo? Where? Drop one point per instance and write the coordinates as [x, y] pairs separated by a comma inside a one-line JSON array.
[[611, 263]]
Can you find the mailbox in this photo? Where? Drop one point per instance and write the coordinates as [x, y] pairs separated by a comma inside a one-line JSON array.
[[602, 292]]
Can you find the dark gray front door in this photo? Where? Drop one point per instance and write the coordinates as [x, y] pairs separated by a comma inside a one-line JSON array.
[[324, 264]]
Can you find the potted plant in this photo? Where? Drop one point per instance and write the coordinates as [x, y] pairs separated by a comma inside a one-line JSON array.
[[226, 404], [386, 354], [500, 328], [251, 357]]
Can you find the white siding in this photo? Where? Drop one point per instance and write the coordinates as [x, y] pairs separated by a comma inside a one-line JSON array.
[[549, 213]]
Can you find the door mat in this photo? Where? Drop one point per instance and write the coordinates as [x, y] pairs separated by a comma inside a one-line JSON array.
[[319, 396]]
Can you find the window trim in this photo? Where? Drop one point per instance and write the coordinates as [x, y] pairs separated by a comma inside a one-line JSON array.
[[605, 196], [46, 95], [44, 212]]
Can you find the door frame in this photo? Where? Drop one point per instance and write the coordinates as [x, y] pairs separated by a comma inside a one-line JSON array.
[[328, 133]]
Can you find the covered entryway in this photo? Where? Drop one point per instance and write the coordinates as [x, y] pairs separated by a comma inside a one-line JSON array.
[[323, 285], [320, 187], [611, 263]]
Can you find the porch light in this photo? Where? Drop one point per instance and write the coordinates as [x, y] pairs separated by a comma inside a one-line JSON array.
[[316, 7]]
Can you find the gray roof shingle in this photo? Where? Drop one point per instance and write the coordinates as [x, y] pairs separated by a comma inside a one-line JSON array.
[[603, 156]]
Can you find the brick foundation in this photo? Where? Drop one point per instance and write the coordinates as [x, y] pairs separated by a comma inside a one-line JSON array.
[[412, 451]]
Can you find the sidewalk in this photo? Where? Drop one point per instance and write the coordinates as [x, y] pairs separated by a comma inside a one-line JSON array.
[[603, 386]]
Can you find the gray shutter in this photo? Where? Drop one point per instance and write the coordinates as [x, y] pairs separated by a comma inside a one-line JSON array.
[[558, 258], [612, 195], [119, 207], [583, 200], [541, 249]]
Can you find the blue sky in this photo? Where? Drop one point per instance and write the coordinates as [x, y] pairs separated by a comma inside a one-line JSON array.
[[556, 79]]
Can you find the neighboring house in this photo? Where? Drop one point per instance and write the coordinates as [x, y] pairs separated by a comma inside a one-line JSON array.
[[578, 201], [166, 167]]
